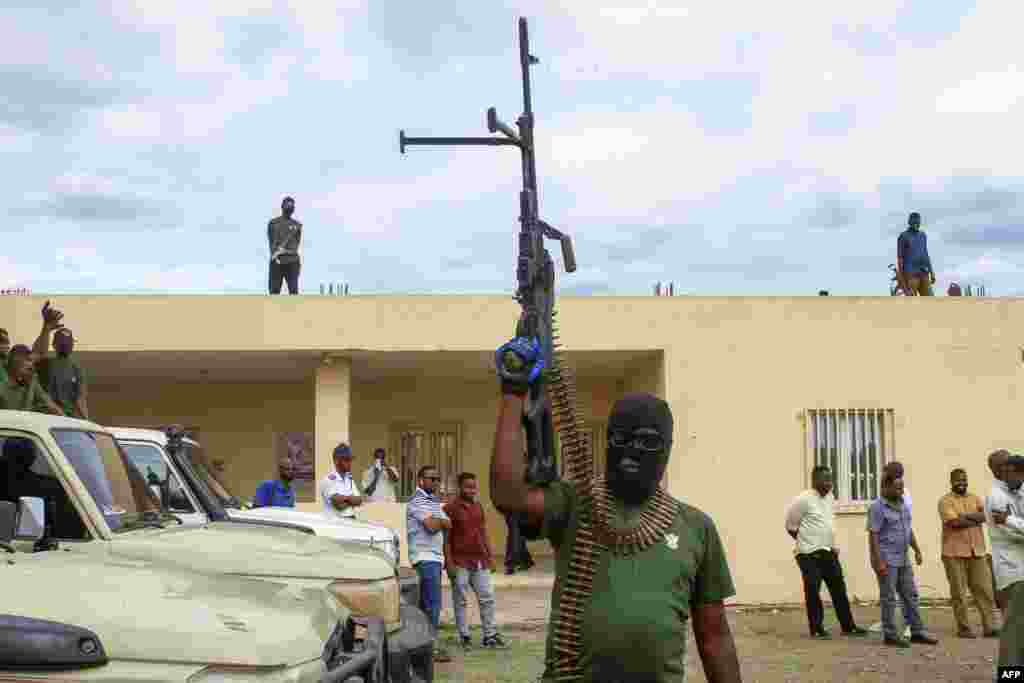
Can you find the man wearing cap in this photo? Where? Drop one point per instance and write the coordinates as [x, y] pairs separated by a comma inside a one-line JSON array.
[[59, 373], [284, 235], [338, 490]]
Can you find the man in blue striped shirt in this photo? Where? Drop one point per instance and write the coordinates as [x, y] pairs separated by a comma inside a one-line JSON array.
[[426, 524]]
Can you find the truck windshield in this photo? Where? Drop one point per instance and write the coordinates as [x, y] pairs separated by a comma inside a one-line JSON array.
[[206, 472], [115, 485]]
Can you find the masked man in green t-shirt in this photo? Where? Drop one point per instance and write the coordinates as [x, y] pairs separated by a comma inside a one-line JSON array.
[[670, 571], [59, 373]]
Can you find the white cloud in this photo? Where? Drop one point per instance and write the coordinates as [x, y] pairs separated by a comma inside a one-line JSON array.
[[986, 93], [371, 208], [982, 268]]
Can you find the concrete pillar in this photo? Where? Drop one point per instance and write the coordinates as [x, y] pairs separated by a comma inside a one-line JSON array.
[[333, 399]]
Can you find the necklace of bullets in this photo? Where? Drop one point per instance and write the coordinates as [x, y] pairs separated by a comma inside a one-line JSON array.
[[594, 534]]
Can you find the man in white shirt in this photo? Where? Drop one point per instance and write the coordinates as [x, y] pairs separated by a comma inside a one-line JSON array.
[[338, 490], [809, 520], [1004, 510], [379, 479]]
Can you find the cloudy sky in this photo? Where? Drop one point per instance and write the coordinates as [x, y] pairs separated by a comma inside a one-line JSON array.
[[731, 147]]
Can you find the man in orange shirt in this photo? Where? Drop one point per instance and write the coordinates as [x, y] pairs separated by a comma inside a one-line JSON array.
[[964, 555]]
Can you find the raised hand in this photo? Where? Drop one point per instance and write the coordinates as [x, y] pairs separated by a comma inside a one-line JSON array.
[[519, 363], [52, 317]]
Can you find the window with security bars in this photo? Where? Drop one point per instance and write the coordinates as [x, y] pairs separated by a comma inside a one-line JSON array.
[[854, 444], [420, 446]]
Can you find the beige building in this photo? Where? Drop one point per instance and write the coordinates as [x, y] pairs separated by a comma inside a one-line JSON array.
[[759, 388]]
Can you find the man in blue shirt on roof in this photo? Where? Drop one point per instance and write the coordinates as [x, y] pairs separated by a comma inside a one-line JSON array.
[[912, 260], [277, 493]]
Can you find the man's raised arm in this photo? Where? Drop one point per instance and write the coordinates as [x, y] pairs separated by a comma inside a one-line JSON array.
[[509, 491]]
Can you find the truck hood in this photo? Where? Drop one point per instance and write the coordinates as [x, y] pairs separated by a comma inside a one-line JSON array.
[[149, 611], [253, 550], [354, 530]]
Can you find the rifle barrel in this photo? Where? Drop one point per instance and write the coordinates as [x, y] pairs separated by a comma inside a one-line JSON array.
[[524, 64]]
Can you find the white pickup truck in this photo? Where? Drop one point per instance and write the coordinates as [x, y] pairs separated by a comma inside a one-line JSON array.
[[101, 582], [189, 477]]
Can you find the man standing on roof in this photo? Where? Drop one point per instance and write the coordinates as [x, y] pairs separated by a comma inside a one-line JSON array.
[[284, 235], [913, 263]]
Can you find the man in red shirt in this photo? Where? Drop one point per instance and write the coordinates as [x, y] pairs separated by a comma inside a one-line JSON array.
[[469, 562]]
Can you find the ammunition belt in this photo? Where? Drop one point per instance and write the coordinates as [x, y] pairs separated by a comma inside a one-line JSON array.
[[594, 536]]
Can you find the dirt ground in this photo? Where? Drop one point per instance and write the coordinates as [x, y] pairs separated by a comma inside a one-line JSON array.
[[773, 646]]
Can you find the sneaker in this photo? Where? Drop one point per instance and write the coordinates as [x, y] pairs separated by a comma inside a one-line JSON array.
[[495, 642], [922, 639], [466, 642], [856, 631], [821, 634], [441, 655], [897, 642], [965, 633]]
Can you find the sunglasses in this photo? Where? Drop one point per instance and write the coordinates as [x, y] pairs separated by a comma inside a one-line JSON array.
[[644, 442], [432, 478]]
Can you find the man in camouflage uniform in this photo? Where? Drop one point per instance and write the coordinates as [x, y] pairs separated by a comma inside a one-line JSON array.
[[634, 623], [284, 235]]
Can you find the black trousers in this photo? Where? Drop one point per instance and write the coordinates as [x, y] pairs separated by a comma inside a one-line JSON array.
[[516, 552], [284, 271], [823, 565]]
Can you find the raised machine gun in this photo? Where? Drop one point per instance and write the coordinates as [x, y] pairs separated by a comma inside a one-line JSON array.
[[536, 294]]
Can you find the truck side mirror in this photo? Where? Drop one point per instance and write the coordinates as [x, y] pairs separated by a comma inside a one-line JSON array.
[[8, 521], [31, 518]]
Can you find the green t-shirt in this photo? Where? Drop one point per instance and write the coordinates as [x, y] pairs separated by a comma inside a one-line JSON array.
[[14, 396], [63, 379], [635, 627]]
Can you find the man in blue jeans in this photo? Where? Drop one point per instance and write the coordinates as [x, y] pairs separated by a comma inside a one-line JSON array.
[[891, 535], [470, 561], [426, 524]]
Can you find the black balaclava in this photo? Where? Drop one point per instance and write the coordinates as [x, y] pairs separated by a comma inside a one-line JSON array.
[[632, 412]]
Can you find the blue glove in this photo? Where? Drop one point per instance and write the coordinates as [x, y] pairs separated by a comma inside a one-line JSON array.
[[519, 363]]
